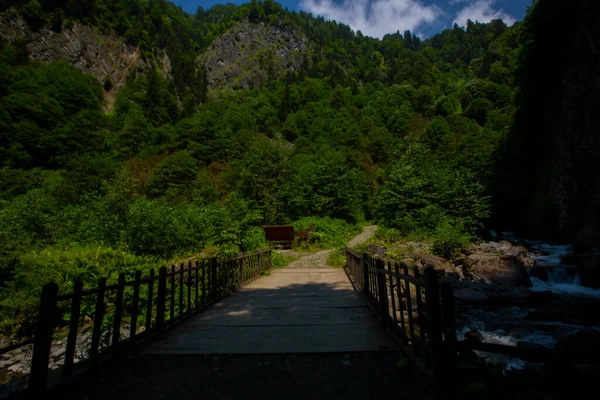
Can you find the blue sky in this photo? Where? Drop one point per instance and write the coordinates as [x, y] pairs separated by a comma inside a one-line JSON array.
[[376, 18]]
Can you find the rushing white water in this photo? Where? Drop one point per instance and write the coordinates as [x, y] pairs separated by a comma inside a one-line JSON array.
[[551, 256], [561, 279], [506, 339], [573, 288]]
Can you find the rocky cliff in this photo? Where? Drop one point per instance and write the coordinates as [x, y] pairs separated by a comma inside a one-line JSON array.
[[550, 178], [105, 56], [248, 54]]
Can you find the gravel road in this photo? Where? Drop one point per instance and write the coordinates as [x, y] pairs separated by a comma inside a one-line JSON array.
[[319, 259]]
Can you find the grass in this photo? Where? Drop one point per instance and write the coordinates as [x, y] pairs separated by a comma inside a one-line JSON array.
[[336, 259], [279, 260]]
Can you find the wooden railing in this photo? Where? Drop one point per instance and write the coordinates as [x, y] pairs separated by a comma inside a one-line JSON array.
[[414, 308], [418, 310], [112, 319]]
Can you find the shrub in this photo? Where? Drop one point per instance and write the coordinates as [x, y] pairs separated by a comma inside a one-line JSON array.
[[449, 240], [419, 193], [176, 172], [337, 258], [19, 298], [278, 260], [327, 232]]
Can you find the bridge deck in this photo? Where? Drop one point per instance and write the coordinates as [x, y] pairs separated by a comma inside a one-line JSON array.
[[289, 311]]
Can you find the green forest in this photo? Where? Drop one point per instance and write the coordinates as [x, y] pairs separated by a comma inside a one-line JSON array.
[[404, 132]]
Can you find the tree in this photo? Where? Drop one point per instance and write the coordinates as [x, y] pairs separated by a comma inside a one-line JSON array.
[[420, 193], [438, 135], [478, 110], [175, 173]]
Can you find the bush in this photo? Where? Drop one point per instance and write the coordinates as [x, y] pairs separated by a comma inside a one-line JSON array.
[[19, 298], [175, 173], [278, 260], [437, 135], [419, 193], [327, 232], [154, 228], [478, 110], [449, 240], [337, 258]]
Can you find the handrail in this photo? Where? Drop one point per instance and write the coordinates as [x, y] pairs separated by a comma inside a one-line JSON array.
[[144, 307], [432, 343]]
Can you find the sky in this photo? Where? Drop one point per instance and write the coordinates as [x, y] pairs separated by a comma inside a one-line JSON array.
[[378, 17]]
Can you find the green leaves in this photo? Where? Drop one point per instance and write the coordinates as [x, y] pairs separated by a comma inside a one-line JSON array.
[[421, 194], [175, 173]]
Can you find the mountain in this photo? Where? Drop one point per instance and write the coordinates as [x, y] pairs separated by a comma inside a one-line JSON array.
[[132, 133]]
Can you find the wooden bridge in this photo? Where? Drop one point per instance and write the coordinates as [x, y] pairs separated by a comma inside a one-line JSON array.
[[289, 311], [241, 306]]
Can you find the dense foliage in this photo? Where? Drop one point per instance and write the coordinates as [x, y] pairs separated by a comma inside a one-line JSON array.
[[400, 131]]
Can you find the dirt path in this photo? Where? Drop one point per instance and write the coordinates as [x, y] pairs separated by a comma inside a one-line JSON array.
[[319, 259], [366, 234]]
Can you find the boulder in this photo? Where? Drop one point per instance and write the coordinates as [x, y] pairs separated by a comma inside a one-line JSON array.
[[500, 248], [474, 335], [376, 250], [585, 341], [501, 270], [471, 296], [540, 273], [587, 249], [519, 295], [441, 265], [524, 344]]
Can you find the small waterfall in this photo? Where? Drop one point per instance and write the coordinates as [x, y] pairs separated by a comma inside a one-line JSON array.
[[510, 325]]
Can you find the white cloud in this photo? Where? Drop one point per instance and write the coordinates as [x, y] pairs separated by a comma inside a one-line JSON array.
[[375, 18], [481, 11]]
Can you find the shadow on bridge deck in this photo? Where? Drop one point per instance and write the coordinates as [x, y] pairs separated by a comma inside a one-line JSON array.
[[311, 335], [289, 311]]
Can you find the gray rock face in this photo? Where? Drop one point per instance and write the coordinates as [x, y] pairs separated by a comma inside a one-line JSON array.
[[249, 53], [104, 56]]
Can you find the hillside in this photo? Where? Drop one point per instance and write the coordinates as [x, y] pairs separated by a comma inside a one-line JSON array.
[[132, 133]]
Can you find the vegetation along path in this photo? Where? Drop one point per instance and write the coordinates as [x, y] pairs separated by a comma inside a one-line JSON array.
[[296, 333], [319, 259], [293, 310]]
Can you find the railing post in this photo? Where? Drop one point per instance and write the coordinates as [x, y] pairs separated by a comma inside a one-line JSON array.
[[135, 307], [161, 298], [432, 293], [450, 342], [365, 265], [73, 331], [172, 295], [43, 338], [213, 279], [181, 271], [98, 318], [259, 263], [116, 336], [419, 307], [204, 284], [382, 292], [242, 272], [149, 301], [197, 282], [189, 288], [409, 309]]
